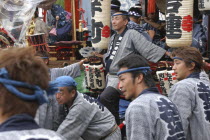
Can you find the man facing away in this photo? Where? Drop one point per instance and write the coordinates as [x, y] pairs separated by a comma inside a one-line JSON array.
[[150, 115], [84, 116], [192, 93], [135, 15], [23, 77]]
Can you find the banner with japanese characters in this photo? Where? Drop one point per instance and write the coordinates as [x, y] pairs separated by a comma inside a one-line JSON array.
[[94, 76], [167, 79], [204, 6], [179, 23], [100, 23]]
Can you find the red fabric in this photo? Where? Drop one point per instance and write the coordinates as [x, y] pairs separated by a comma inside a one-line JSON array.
[[121, 125], [206, 66], [68, 8], [44, 13], [151, 7], [67, 4]]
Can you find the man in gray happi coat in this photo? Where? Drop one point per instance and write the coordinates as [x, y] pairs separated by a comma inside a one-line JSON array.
[[192, 93], [122, 43], [126, 42], [45, 117], [150, 115], [85, 117]]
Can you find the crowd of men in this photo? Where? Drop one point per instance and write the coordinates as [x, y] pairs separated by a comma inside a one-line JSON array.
[[38, 103]]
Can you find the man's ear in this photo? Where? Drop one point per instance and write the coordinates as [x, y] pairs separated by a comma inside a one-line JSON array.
[[140, 78], [192, 67], [46, 61], [73, 93], [126, 21], [139, 20]]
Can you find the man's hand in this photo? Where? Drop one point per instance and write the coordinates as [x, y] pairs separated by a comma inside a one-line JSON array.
[[169, 54], [98, 54]]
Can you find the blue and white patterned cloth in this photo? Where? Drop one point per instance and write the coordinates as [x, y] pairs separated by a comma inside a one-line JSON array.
[[158, 34], [137, 27]]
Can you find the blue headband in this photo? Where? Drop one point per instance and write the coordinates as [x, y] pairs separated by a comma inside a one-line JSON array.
[[119, 14], [143, 69], [44, 57], [115, 6], [177, 58], [11, 85]]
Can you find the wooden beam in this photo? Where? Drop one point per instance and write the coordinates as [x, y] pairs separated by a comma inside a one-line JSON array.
[[73, 20]]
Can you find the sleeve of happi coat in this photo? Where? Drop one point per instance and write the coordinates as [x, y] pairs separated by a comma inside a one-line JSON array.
[[181, 95], [138, 119], [72, 70], [75, 123], [146, 48]]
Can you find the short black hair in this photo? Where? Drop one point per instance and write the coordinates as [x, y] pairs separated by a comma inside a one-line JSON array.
[[136, 10], [140, 61], [36, 14], [116, 2], [70, 88]]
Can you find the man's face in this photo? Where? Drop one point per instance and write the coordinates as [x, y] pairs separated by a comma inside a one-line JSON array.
[[118, 23], [181, 70], [63, 96], [127, 85]]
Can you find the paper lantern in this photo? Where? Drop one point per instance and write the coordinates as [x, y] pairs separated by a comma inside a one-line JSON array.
[[87, 76], [204, 6], [179, 23], [94, 76], [99, 76], [100, 23]]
